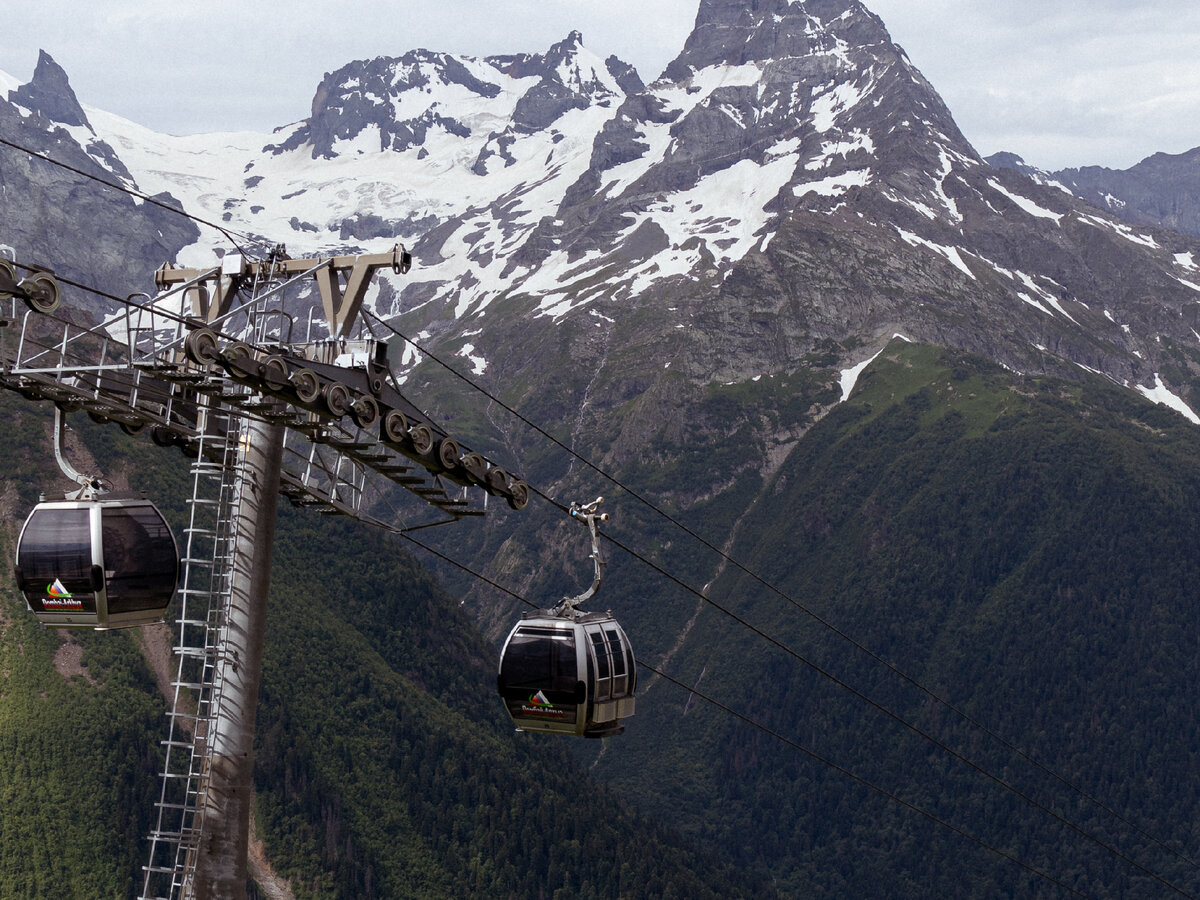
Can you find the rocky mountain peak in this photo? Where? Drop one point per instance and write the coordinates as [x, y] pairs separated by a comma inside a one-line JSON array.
[[46, 111], [731, 32], [1163, 189], [406, 99], [771, 107], [791, 179], [49, 94], [389, 103], [572, 77]]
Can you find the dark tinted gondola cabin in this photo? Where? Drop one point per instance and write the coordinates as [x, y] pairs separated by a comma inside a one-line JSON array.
[[108, 562], [566, 675]]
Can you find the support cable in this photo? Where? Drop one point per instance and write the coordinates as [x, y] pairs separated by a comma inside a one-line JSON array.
[[895, 717], [228, 235], [799, 657]]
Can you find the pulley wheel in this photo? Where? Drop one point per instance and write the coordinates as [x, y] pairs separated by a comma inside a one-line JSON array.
[[422, 438], [307, 385], [201, 347], [475, 467], [133, 428], [163, 437], [337, 399], [395, 426], [275, 373], [448, 453], [497, 479], [41, 292], [236, 350], [365, 412], [518, 498]]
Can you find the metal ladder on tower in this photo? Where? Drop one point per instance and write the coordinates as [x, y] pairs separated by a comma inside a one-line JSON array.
[[210, 539]]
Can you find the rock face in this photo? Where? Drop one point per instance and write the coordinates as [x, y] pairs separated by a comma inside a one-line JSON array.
[[793, 179], [405, 100], [49, 94], [1163, 189], [71, 221], [791, 189]]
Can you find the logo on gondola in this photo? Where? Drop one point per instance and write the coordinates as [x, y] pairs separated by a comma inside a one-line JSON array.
[[57, 590], [538, 707], [58, 597]]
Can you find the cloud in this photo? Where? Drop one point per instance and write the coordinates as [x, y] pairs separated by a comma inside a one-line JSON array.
[[1063, 84]]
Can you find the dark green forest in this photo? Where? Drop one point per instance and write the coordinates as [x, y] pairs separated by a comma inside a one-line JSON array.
[[386, 766], [1022, 549], [1013, 559]]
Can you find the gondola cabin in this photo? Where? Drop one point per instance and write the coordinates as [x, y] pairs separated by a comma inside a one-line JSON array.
[[107, 562], [563, 675]]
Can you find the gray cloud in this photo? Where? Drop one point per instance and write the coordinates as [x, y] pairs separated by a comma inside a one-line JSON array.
[[1063, 84]]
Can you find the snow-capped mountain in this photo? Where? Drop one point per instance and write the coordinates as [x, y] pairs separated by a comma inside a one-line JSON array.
[[534, 187], [790, 161], [393, 148], [791, 178], [61, 214]]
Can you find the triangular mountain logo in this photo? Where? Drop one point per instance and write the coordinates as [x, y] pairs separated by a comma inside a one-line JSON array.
[[57, 589], [539, 699]]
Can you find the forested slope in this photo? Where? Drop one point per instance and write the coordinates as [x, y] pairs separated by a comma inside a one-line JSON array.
[[1012, 557], [80, 719], [1016, 553], [386, 766]]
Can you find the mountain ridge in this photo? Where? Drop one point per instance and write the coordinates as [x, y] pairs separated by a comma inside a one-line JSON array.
[[658, 181], [1162, 189]]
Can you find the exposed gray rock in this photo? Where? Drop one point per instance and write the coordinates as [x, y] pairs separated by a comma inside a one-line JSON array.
[[1163, 189], [74, 223], [49, 94]]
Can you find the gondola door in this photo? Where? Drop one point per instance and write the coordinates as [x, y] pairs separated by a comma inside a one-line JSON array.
[[542, 676], [613, 677]]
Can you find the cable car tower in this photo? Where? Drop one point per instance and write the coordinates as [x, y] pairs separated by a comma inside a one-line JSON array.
[[216, 366]]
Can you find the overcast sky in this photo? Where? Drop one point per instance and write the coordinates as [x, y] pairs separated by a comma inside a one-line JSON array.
[[1060, 82]]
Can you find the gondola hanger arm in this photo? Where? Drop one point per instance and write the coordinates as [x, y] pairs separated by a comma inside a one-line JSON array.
[[89, 485], [587, 514]]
